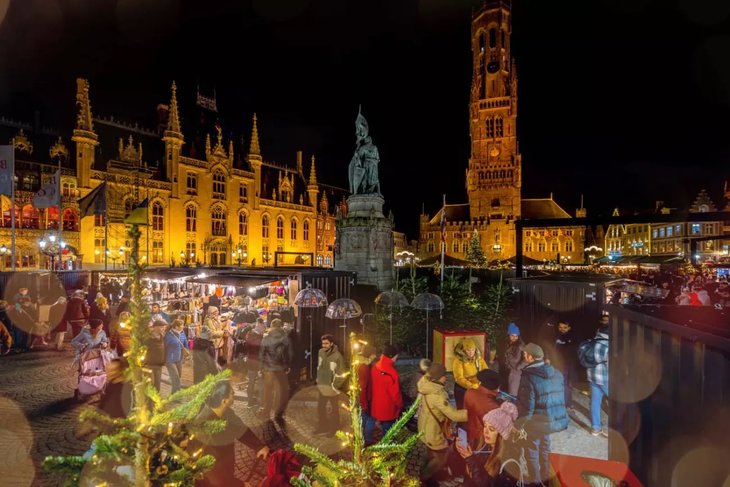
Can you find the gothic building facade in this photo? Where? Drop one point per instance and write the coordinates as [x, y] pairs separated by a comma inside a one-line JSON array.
[[210, 199], [494, 173]]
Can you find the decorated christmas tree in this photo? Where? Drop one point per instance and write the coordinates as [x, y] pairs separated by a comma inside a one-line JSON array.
[[382, 464], [475, 253], [154, 444]]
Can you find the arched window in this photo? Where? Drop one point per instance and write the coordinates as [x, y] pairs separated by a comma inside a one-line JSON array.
[[554, 246], [293, 229], [52, 218], [305, 230], [158, 216], [219, 185], [242, 224], [455, 247], [464, 247], [500, 127], [569, 245], [70, 220], [280, 227], [541, 246], [320, 260], [30, 217], [218, 222], [265, 226], [528, 246], [328, 261], [191, 215]]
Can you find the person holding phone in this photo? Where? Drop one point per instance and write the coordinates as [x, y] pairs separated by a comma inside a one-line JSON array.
[[501, 467], [479, 402]]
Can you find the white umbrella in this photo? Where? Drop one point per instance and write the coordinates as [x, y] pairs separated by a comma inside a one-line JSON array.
[[391, 299], [427, 302], [343, 309], [310, 298]]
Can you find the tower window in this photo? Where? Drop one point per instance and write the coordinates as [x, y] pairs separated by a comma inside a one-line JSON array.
[[482, 41], [504, 36], [490, 127], [500, 127], [492, 38]]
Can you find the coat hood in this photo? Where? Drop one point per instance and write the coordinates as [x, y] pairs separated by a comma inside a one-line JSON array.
[[462, 346], [426, 386], [540, 369]]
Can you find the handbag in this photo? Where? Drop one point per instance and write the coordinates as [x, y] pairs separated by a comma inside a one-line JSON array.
[[185, 351], [445, 426]]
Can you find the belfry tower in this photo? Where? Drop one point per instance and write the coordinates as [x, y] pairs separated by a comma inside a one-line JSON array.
[[493, 179]]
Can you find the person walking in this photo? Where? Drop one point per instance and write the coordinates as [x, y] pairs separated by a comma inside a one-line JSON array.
[[479, 402], [365, 359], [121, 338], [512, 359], [203, 355], [330, 378], [541, 406], [275, 357], [100, 311], [155, 357], [252, 341], [598, 376], [387, 400], [468, 361], [176, 348], [77, 312], [434, 419]]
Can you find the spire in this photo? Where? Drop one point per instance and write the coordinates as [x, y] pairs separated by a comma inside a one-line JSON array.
[[254, 149], [174, 123], [313, 175], [83, 102]]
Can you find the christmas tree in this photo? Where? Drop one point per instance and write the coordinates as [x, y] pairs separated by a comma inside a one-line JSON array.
[[475, 254], [154, 444], [382, 464]]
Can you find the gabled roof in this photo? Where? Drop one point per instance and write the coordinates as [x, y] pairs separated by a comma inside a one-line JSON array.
[[539, 208], [454, 213]]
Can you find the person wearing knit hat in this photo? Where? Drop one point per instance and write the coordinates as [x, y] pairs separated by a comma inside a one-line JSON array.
[[479, 402], [541, 407], [435, 412], [511, 360], [91, 336], [498, 438], [468, 361]]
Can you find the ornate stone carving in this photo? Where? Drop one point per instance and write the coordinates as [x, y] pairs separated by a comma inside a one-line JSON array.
[[22, 143], [58, 149], [363, 169]]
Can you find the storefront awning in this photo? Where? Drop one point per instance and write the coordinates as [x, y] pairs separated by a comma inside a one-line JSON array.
[[237, 281]]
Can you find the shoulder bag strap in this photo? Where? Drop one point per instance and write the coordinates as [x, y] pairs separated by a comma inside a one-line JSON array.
[[425, 401]]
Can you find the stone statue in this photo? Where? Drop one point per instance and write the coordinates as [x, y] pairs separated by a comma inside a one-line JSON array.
[[363, 168]]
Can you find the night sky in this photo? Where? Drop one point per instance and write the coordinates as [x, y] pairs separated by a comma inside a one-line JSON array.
[[625, 101]]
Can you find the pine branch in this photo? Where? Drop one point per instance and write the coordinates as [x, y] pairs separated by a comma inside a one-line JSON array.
[[315, 455], [402, 421]]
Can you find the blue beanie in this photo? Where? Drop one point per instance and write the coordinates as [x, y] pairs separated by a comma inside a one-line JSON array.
[[513, 329]]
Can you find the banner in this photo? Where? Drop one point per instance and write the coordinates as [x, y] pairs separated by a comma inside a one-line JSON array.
[[7, 164], [93, 203], [50, 193], [139, 215]]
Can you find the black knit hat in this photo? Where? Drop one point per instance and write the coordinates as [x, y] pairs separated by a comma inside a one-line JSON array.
[[390, 351], [488, 378]]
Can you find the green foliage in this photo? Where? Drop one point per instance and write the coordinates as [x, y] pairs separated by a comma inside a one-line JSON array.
[[497, 301], [382, 464], [151, 446]]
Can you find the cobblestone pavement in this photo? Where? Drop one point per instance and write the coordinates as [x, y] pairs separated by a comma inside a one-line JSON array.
[[40, 418], [39, 415]]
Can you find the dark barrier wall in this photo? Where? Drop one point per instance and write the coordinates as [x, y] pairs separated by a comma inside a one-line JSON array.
[[670, 400]]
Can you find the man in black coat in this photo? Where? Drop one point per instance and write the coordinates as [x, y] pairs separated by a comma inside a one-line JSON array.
[[564, 358]]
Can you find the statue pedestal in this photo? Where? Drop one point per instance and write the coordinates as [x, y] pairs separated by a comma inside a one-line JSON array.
[[365, 241]]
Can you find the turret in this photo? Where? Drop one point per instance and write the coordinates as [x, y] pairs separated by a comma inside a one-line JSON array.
[[174, 141], [83, 135]]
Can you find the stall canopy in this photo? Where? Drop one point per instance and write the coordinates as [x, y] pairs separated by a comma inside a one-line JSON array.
[[449, 261], [235, 280]]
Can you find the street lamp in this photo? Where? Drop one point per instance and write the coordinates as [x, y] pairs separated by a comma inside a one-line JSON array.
[[121, 257], [52, 248]]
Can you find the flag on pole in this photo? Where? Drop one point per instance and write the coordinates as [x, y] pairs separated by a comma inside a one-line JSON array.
[[443, 226], [139, 215], [93, 203], [7, 166], [50, 193]]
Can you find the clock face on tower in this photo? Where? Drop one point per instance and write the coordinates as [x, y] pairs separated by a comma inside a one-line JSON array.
[[493, 67]]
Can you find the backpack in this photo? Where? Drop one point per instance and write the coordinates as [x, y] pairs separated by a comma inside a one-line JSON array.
[[281, 353], [586, 352]]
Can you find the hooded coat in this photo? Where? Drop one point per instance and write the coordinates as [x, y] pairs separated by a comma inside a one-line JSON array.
[[387, 400], [330, 370], [465, 369], [435, 409], [541, 400]]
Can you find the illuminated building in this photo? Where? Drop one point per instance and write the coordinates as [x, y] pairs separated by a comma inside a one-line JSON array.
[[494, 174]]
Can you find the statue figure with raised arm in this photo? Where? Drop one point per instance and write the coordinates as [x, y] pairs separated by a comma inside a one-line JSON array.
[[363, 170]]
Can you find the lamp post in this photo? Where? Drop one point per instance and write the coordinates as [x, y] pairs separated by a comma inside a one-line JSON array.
[[121, 257], [51, 248]]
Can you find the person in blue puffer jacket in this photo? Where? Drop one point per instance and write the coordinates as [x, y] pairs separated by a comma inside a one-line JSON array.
[[541, 406], [176, 344]]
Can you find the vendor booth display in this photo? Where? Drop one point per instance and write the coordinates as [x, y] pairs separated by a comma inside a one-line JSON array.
[[444, 342]]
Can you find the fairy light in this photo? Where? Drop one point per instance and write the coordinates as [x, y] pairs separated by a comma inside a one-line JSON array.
[[169, 428]]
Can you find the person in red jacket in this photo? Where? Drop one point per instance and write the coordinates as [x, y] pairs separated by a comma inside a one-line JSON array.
[[479, 402], [387, 400], [365, 359]]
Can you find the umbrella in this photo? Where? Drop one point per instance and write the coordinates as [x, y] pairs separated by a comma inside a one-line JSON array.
[[391, 299], [310, 298], [428, 302], [343, 309]]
